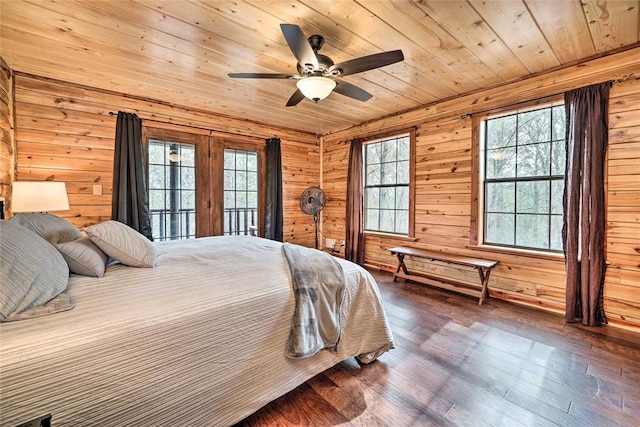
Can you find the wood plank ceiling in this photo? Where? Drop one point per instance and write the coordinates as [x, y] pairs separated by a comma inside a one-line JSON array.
[[181, 51]]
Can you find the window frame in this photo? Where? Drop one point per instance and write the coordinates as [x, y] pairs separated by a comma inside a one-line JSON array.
[[411, 133], [477, 222]]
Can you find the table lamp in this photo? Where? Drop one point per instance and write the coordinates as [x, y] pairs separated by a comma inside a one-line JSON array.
[[39, 196]]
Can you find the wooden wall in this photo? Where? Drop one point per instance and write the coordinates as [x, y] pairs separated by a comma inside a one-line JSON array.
[[64, 133], [7, 142], [444, 193]]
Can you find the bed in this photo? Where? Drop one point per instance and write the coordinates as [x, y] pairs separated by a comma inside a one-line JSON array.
[[198, 340]]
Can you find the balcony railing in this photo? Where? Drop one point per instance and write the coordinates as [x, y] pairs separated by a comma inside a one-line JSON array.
[[240, 221], [237, 221], [172, 218]]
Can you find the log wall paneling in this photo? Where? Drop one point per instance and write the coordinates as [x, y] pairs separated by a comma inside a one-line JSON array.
[[64, 133], [444, 161], [622, 286], [7, 139]]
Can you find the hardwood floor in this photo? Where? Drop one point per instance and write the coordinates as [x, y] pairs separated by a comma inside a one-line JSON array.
[[457, 363]]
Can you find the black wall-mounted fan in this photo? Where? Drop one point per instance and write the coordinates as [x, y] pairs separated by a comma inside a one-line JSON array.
[[313, 64], [312, 201]]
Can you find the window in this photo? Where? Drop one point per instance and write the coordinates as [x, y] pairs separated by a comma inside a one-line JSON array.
[[387, 185], [240, 191], [172, 190], [523, 178]]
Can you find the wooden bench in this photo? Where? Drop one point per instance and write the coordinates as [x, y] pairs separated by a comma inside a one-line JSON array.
[[483, 267]]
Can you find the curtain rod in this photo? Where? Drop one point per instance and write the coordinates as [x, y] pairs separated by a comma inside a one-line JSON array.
[[380, 135], [111, 113], [511, 106], [533, 100]]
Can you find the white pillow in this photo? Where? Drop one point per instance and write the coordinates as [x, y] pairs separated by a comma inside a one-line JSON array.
[[123, 243], [83, 257]]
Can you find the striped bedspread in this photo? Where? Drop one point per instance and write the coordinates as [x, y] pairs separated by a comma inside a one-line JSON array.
[[197, 341]]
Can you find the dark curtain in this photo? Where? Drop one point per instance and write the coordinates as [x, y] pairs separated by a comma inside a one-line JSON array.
[[354, 243], [584, 222], [273, 215], [130, 201]]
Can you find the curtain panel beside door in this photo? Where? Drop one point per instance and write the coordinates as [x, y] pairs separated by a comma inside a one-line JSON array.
[[130, 200], [274, 206]]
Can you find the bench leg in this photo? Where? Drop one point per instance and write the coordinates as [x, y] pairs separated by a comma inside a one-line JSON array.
[[401, 265], [484, 280]]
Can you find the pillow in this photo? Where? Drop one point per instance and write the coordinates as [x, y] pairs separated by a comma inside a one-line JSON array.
[[51, 228], [83, 257], [123, 243], [33, 275]]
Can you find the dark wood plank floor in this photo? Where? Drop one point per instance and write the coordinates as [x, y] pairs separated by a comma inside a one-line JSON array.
[[457, 363]]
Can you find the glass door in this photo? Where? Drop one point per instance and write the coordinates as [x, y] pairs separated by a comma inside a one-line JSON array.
[[172, 189], [240, 192]]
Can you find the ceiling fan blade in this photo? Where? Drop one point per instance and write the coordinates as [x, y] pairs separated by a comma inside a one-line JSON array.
[[366, 63], [300, 46], [260, 76], [295, 98], [352, 91]]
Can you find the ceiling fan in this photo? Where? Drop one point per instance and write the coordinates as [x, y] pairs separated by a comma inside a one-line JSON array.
[[317, 72]]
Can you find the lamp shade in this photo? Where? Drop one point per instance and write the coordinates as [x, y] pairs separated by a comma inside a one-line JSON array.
[[316, 87], [39, 196]]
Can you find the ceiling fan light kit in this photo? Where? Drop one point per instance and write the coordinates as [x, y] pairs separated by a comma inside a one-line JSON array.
[[316, 87], [316, 72]]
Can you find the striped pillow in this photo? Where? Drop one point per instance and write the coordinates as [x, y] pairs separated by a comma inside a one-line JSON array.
[[83, 257], [123, 243], [33, 275], [51, 228]]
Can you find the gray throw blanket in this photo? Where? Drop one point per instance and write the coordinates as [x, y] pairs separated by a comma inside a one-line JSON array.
[[318, 285]]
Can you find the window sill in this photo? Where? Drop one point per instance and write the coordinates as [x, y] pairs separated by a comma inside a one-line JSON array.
[[518, 252], [390, 236]]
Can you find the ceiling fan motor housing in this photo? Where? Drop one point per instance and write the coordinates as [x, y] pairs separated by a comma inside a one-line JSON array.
[[324, 63]]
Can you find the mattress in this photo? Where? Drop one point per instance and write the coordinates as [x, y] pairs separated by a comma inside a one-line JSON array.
[[197, 340]]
